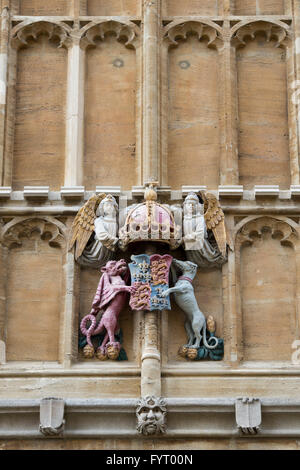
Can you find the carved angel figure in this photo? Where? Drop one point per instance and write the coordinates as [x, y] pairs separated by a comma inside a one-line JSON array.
[[94, 231], [205, 236]]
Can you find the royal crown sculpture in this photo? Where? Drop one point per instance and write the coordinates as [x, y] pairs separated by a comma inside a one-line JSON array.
[[150, 221], [198, 227]]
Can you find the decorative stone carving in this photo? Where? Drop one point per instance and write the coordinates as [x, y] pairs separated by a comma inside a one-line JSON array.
[[110, 297], [12, 232], [150, 221], [272, 29], [195, 320], [254, 225], [176, 31], [248, 415], [205, 236], [150, 278], [22, 32], [52, 417], [151, 415], [127, 31], [94, 231]]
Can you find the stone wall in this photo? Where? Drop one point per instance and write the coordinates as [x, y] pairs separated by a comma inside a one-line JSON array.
[[113, 95]]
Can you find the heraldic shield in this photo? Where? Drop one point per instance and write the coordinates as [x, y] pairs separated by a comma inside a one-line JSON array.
[[150, 277]]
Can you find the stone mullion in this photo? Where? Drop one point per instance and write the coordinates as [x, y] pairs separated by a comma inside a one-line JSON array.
[[297, 292], [151, 360], [231, 302], [226, 7], [4, 38], [151, 357], [3, 293], [288, 8], [229, 172], [232, 309], [10, 117], [75, 114], [139, 113], [296, 85], [164, 338], [78, 8], [69, 320], [294, 142], [164, 113], [137, 335], [151, 91], [14, 6]]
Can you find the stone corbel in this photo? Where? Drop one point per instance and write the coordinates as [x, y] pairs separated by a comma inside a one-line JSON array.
[[5, 192], [52, 417], [248, 415], [2, 352], [151, 413]]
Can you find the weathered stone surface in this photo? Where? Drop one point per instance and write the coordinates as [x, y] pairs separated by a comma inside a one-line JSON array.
[[114, 7], [110, 131], [187, 102], [34, 301], [193, 137], [42, 8], [40, 119], [268, 305], [263, 117], [260, 7], [191, 7]]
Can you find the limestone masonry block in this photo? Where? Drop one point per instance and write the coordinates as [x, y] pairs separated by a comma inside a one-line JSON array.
[[36, 192], [266, 190], [5, 192], [71, 192], [231, 191]]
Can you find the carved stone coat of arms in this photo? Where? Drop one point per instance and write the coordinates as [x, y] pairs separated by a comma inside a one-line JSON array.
[[150, 278]]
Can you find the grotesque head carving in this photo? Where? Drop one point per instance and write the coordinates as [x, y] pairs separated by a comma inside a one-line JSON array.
[[115, 268], [151, 415]]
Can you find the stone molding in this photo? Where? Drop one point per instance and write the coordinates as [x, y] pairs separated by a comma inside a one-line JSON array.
[[7, 194], [115, 418]]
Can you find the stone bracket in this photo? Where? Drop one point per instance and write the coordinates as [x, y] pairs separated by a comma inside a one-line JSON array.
[[151, 413], [52, 417], [36, 192], [248, 415]]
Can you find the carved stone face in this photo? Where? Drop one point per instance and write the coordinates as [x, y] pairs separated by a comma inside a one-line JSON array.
[[107, 207], [151, 415], [192, 206]]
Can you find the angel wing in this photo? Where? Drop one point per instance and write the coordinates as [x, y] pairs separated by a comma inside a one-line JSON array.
[[83, 224], [215, 221]]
